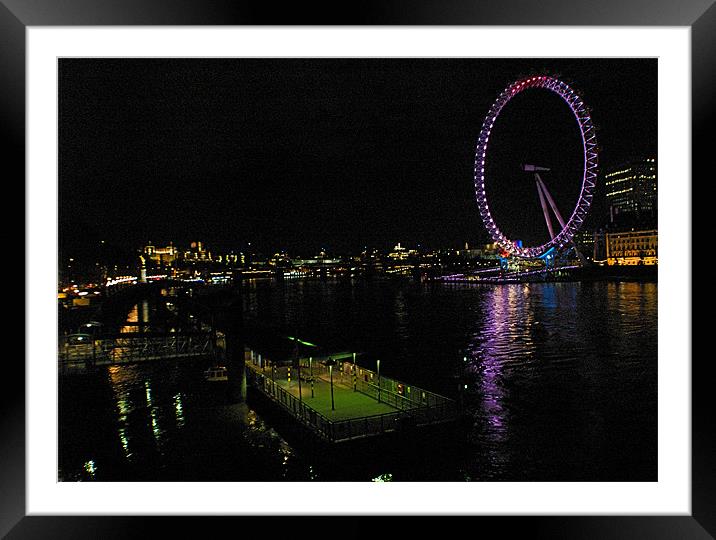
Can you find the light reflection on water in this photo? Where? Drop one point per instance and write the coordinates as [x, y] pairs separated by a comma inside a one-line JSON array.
[[561, 384], [90, 468], [165, 421], [507, 320], [117, 376], [581, 353], [154, 413], [178, 408]]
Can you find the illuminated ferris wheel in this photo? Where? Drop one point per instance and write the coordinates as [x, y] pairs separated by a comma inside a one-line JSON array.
[[562, 235]]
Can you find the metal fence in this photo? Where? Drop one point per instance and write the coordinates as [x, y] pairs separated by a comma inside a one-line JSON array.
[[354, 428], [308, 416], [395, 393]]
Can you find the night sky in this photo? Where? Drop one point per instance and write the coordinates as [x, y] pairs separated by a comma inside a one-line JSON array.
[[303, 154]]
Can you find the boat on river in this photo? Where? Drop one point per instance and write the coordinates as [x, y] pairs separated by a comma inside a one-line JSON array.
[[216, 373]]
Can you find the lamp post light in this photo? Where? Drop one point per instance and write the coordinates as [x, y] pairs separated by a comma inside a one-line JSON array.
[[300, 395], [378, 362], [298, 359], [310, 372], [330, 363], [92, 326], [355, 372]]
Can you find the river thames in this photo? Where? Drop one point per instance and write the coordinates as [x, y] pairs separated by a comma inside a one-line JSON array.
[[558, 381]]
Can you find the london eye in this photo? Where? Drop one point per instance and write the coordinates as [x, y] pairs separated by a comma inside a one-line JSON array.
[[561, 233]]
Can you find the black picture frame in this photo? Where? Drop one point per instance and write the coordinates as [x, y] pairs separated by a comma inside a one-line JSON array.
[[17, 15]]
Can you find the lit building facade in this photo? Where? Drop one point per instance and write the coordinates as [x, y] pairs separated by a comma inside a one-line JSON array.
[[485, 252], [197, 253], [371, 262], [631, 190], [400, 253], [632, 248], [162, 256]]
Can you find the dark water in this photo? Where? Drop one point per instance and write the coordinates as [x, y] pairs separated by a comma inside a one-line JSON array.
[[561, 385]]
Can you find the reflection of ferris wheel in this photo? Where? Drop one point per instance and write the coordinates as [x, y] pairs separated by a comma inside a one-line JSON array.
[[567, 228]]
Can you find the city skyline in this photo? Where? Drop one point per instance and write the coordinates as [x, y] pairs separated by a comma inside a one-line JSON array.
[[301, 161], [630, 197]]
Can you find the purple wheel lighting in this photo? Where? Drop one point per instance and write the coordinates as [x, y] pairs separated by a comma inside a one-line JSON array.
[[589, 144]]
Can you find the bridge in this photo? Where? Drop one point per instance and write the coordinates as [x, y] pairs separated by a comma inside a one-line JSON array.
[[78, 352]]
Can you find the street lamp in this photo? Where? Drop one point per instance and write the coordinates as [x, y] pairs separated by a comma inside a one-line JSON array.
[[300, 395], [330, 363], [298, 358], [378, 362], [310, 372]]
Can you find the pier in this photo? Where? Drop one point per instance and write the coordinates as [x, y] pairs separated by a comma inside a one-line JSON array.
[[338, 400]]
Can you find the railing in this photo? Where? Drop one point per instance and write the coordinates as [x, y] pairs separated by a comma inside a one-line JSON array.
[[353, 428], [386, 396], [298, 408], [398, 394]]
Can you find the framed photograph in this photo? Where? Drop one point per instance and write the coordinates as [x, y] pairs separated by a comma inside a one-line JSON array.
[[303, 264]]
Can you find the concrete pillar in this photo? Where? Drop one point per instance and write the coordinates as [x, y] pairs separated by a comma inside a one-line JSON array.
[[142, 270], [235, 357]]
